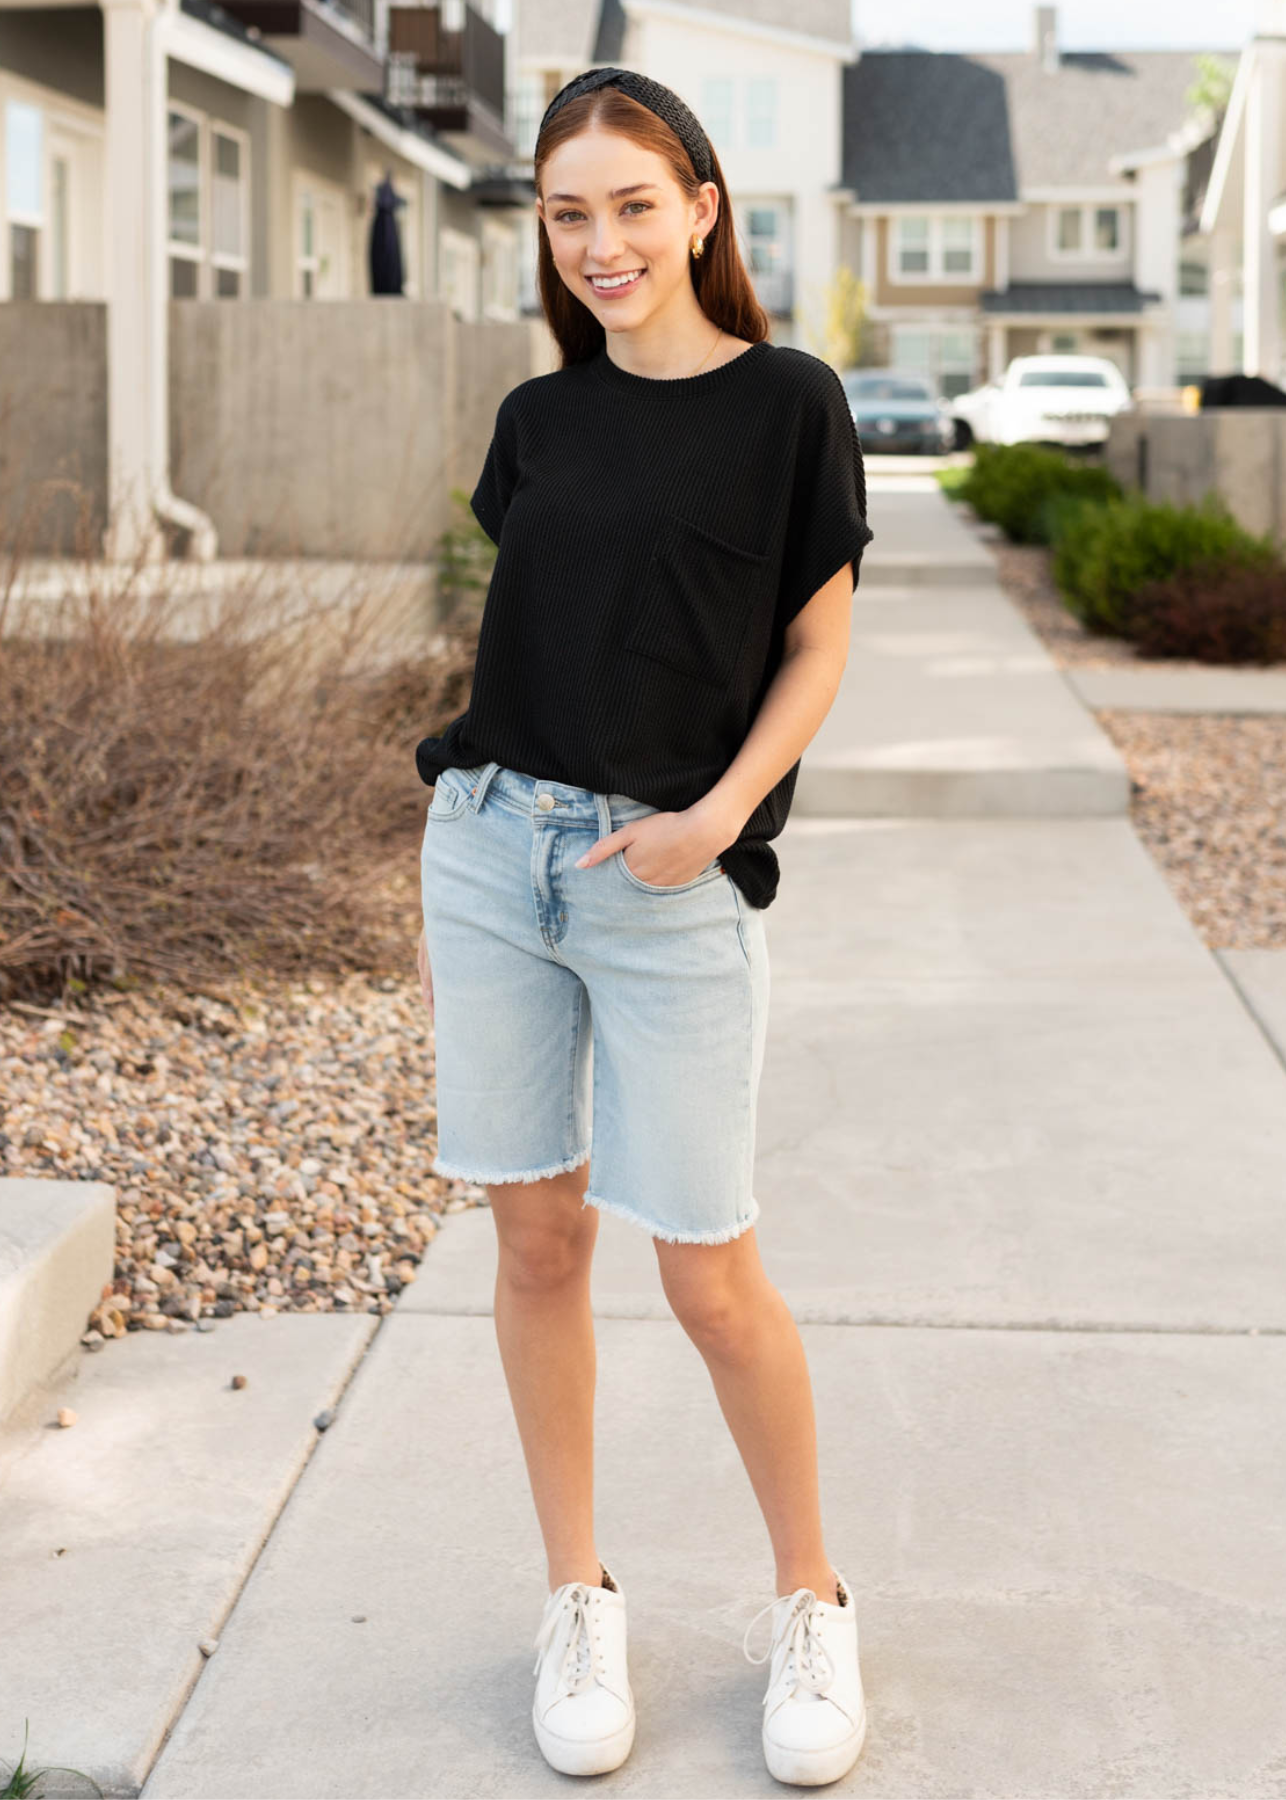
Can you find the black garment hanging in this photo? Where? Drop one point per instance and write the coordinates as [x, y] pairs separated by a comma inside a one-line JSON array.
[[386, 245]]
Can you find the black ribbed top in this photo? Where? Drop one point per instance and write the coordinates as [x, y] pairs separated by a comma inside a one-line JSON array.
[[655, 538]]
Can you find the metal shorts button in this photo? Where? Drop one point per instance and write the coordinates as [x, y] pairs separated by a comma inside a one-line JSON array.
[[544, 801]]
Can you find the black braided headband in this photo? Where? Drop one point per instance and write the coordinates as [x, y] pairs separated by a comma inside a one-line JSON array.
[[661, 100]]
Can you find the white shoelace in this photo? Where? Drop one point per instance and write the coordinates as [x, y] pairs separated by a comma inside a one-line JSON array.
[[801, 1655], [579, 1663]]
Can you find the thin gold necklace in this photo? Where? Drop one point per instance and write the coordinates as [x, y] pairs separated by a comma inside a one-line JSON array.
[[706, 357]]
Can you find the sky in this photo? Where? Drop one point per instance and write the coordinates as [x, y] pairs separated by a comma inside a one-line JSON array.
[[1081, 24]]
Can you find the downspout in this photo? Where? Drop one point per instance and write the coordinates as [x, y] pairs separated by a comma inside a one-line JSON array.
[[203, 543]]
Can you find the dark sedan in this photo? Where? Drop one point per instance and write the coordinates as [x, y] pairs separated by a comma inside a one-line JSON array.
[[897, 410]]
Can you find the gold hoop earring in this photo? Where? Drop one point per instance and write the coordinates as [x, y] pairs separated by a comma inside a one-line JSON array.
[[697, 246]]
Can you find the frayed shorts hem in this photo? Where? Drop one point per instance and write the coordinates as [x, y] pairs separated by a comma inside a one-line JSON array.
[[496, 1177], [720, 1235]]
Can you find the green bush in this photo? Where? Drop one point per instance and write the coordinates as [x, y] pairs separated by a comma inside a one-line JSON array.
[[1017, 485], [1104, 553]]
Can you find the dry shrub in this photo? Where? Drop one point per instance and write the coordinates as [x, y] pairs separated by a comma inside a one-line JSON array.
[[1213, 611], [194, 791]]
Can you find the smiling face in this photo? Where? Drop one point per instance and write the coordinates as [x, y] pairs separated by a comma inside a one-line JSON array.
[[611, 209]]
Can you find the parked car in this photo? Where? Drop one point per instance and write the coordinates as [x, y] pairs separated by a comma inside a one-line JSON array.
[[896, 409], [1044, 400]]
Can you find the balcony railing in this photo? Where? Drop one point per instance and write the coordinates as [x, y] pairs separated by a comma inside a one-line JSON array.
[[449, 58]]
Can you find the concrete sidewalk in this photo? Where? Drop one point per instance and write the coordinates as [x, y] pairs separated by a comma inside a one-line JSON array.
[[1022, 1164], [950, 705]]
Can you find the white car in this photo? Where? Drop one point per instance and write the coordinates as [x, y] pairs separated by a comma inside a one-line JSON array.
[[1045, 399]]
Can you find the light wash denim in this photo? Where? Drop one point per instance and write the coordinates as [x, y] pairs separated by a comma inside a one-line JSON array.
[[555, 987]]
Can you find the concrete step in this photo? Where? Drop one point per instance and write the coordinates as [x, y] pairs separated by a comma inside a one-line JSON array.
[[128, 1536], [909, 568], [951, 707], [57, 1250], [1190, 688]]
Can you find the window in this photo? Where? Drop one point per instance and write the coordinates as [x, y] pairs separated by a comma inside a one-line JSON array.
[[716, 110], [527, 103], [309, 260], [926, 248], [208, 199], [764, 239], [1192, 355], [887, 387], [459, 273], [761, 112], [957, 246], [1086, 233], [185, 180], [913, 246], [913, 348], [1071, 378], [228, 215], [499, 272], [24, 139], [764, 233], [957, 353], [1194, 277]]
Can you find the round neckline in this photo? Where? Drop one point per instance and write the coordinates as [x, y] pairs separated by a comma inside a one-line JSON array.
[[628, 382]]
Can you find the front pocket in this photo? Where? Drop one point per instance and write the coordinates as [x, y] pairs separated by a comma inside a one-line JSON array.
[[450, 794], [696, 601], [712, 873]]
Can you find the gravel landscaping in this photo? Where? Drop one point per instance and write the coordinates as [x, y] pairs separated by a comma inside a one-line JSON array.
[[1210, 788], [269, 1150]]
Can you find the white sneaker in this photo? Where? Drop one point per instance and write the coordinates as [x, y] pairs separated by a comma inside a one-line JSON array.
[[583, 1711], [814, 1711]]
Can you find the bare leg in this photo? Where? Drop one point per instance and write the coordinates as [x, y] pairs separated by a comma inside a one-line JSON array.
[[545, 1331], [744, 1330]]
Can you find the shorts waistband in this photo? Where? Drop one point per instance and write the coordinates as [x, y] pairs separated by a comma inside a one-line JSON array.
[[557, 800]]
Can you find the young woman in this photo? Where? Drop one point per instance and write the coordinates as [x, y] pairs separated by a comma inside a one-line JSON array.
[[680, 511]]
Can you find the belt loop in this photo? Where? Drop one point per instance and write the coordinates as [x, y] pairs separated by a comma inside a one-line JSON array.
[[479, 791], [605, 826]]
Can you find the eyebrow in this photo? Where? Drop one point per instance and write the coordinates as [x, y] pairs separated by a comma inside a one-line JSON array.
[[612, 193]]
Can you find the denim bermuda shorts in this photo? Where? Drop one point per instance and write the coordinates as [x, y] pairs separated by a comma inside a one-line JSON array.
[[576, 1004]]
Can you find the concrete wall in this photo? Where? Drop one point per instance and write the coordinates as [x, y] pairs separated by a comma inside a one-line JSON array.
[[53, 426], [1237, 452], [327, 429]]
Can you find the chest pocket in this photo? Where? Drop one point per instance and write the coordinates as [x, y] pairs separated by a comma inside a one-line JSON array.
[[696, 600]]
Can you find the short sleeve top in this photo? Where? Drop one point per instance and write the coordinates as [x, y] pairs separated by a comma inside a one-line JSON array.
[[654, 539]]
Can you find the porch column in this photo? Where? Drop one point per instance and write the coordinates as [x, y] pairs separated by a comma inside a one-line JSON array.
[[996, 358], [135, 188], [1223, 268], [1262, 355]]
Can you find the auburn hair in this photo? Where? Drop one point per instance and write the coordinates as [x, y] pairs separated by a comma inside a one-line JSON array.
[[719, 277]]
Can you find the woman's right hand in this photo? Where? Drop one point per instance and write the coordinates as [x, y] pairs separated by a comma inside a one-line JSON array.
[[426, 975]]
